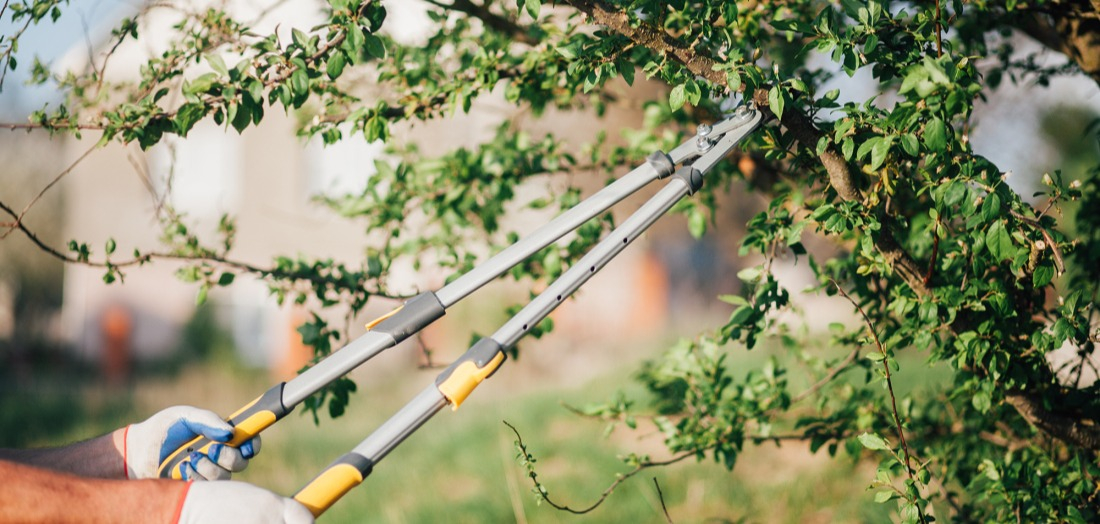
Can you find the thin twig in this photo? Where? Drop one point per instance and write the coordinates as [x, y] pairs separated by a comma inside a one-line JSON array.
[[623, 477], [205, 256], [661, 497], [844, 364], [939, 29], [1059, 262], [889, 388], [19, 219]]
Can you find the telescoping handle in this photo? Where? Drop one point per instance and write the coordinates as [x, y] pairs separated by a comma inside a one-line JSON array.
[[454, 384], [384, 333], [394, 327]]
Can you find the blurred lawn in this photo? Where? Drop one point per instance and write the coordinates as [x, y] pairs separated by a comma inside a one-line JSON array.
[[461, 467]]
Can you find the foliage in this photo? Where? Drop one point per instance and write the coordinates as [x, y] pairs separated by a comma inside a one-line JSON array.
[[940, 255]]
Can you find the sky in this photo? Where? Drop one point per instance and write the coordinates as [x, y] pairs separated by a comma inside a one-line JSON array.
[[80, 21]]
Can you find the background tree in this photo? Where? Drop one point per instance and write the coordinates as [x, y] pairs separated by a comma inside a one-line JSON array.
[[937, 254]]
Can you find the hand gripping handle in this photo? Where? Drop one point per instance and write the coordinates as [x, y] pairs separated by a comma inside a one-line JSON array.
[[247, 422]]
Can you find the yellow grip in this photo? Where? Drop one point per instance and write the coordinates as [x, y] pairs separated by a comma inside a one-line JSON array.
[[328, 487], [375, 322], [251, 426], [465, 378], [258, 416]]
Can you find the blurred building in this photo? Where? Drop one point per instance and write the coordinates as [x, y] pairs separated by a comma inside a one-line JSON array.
[[266, 178]]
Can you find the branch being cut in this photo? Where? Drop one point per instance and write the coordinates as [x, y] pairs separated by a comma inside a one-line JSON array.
[[841, 176], [797, 123], [1070, 27]]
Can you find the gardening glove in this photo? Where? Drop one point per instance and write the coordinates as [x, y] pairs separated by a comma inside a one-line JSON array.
[[232, 502], [152, 441]]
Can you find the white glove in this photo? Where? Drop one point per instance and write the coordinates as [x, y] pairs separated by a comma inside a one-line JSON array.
[[232, 502], [152, 441]]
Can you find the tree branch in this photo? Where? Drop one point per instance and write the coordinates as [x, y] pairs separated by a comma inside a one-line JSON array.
[[1085, 43], [800, 126], [494, 21], [314, 279], [620, 478], [1080, 431], [1070, 28]]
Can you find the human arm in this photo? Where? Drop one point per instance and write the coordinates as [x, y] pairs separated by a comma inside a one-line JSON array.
[[32, 495], [100, 457], [136, 451]]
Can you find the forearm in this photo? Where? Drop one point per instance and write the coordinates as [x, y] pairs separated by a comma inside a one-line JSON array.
[[100, 457], [32, 495]]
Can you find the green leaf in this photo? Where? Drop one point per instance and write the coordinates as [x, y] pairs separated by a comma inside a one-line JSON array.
[[298, 37], [935, 135], [200, 299], [910, 145], [867, 146], [741, 315], [775, 101], [533, 8], [335, 66], [697, 223], [879, 152], [186, 116], [677, 97], [242, 117], [991, 207], [999, 242], [750, 274], [691, 89], [200, 85], [954, 194], [353, 44], [375, 47], [299, 83], [884, 496], [626, 69], [847, 147], [569, 52], [981, 401], [110, 247], [226, 279], [1044, 273], [873, 441], [217, 64], [736, 300]]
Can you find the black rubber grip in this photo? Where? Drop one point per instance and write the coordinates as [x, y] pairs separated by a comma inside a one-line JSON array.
[[415, 315], [662, 163], [691, 176]]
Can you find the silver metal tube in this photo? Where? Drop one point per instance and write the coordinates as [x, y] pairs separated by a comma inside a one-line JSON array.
[[335, 365], [547, 234], [402, 424], [588, 265]]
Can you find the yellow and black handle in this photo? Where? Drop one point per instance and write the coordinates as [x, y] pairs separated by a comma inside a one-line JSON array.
[[247, 422], [337, 479], [472, 368]]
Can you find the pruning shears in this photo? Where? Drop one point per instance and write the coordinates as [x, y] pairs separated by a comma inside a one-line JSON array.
[[684, 168]]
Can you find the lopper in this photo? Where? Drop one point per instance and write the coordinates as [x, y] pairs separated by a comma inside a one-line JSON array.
[[695, 158]]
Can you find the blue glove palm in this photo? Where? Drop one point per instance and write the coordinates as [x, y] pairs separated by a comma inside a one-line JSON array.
[[152, 441]]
